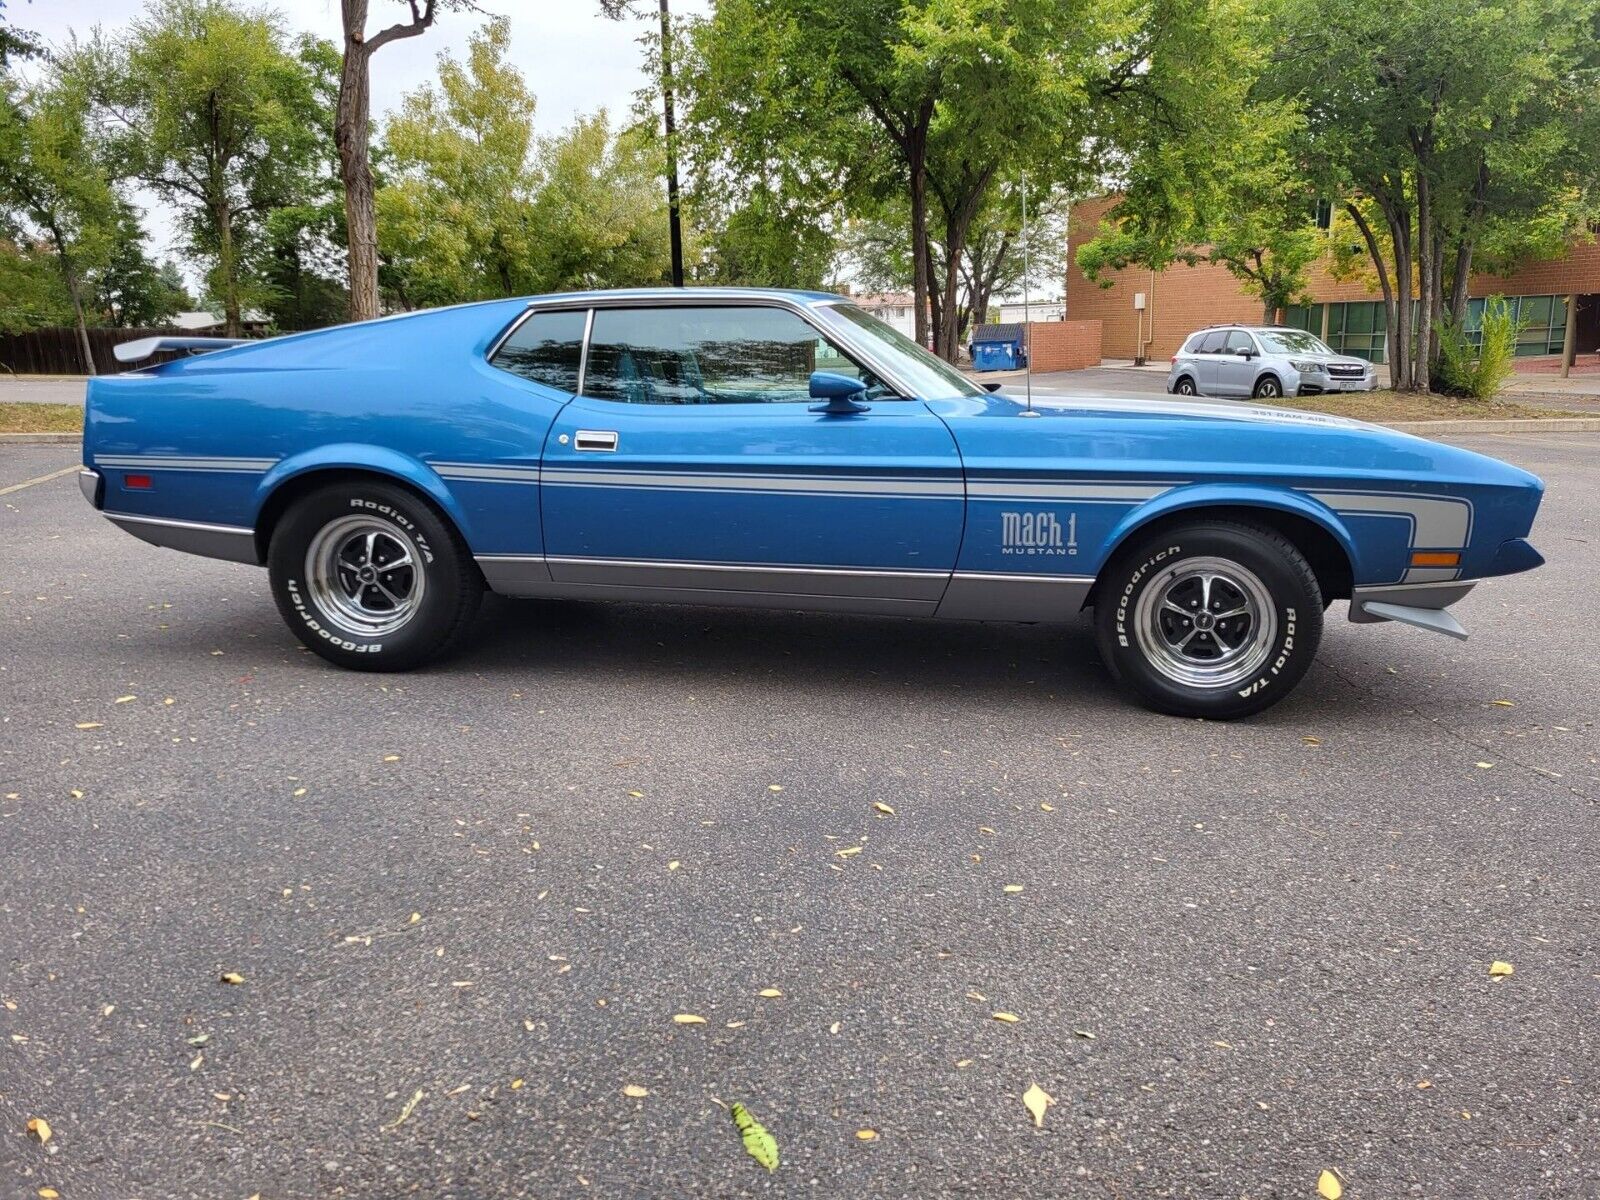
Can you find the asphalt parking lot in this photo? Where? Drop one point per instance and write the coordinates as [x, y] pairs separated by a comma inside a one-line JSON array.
[[467, 904]]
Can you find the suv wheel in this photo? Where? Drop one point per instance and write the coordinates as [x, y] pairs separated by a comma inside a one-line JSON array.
[[1212, 619], [1185, 387], [370, 577], [1267, 388]]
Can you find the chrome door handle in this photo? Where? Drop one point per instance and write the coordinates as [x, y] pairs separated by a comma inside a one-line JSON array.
[[594, 439]]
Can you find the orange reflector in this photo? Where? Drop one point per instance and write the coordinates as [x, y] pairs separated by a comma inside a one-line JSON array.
[[1436, 558]]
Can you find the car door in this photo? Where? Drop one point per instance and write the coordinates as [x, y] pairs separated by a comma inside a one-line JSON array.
[[1207, 355], [1234, 371], [694, 465]]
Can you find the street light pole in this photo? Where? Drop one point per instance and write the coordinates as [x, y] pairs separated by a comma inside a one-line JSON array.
[[674, 217]]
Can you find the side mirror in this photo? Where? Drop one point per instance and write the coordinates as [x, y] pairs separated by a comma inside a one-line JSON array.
[[1246, 352], [840, 392]]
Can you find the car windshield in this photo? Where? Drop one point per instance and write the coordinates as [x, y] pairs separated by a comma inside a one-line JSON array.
[[930, 378], [1292, 341]]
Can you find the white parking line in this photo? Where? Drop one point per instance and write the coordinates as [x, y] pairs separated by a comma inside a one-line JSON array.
[[27, 483]]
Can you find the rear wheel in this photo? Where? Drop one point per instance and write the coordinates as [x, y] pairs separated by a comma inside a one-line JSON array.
[[1185, 387], [1212, 619], [370, 577]]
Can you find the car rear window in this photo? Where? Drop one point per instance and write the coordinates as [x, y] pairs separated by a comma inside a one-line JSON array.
[[546, 348], [1213, 342]]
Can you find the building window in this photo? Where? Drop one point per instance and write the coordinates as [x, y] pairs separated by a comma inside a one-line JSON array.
[[1359, 329], [1542, 321]]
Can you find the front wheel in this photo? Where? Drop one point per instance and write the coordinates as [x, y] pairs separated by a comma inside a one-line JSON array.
[[370, 577], [1211, 619], [1267, 388]]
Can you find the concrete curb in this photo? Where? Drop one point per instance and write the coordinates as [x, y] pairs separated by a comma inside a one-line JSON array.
[[40, 439], [1507, 425]]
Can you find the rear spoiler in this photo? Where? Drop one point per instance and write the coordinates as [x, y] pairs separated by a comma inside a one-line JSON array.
[[145, 347]]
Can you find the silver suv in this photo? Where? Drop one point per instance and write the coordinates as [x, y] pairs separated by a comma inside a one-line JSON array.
[[1265, 362]]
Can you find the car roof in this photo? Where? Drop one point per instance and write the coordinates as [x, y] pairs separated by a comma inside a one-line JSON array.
[[694, 293]]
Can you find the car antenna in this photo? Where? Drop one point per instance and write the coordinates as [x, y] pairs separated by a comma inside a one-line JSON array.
[[1027, 332]]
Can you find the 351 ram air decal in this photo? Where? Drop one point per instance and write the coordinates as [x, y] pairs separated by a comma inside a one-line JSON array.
[[1037, 533]]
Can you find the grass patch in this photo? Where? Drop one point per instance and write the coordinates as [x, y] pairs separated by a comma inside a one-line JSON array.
[[41, 418], [1384, 407]]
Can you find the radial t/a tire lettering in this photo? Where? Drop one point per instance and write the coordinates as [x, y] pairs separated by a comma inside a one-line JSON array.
[[369, 576], [1215, 619]]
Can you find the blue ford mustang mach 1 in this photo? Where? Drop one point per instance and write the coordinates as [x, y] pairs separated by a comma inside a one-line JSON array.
[[779, 449]]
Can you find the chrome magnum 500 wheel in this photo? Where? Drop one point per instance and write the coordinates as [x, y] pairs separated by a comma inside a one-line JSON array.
[[1214, 619], [368, 576]]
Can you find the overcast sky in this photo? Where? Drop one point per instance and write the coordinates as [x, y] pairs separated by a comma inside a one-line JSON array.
[[575, 60]]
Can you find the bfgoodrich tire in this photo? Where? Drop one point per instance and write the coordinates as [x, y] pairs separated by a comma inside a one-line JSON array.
[[1214, 619], [370, 577]]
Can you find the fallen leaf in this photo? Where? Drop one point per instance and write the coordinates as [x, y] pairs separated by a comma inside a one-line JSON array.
[[1008, 1018], [1424, 1084], [1223, 1045], [124, 699], [1483, 766], [391, 758], [882, 807], [834, 1028], [299, 792], [848, 851], [1085, 1034], [405, 1113], [962, 1064], [636, 795], [1012, 887], [1037, 1100], [1504, 703], [49, 1193], [39, 1130], [516, 1085], [688, 1019], [199, 1039], [1328, 1186], [1047, 808], [774, 787], [232, 977], [758, 1143], [674, 865], [88, 725], [867, 1135], [198, 1060], [769, 993], [1500, 969], [634, 1092], [77, 793], [1311, 741], [415, 917], [528, 1025]]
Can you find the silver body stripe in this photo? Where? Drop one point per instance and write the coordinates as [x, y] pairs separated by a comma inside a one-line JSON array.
[[1439, 523], [835, 485]]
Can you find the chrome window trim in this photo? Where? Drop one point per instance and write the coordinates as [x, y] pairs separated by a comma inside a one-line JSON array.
[[689, 299], [529, 312]]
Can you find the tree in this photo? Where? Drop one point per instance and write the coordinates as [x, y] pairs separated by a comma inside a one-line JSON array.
[[1442, 122], [222, 118], [131, 289], [935, 101], [352, 133], [32, 295], [52, 180], [14, 42], [767, 239]]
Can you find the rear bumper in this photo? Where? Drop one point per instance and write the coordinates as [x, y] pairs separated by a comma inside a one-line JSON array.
[[230, 542], [93, 487]]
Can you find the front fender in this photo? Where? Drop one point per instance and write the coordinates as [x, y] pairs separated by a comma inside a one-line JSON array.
[[1232, 495], [356, 456]]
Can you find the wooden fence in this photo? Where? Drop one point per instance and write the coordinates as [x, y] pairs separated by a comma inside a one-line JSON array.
[[56, 350]]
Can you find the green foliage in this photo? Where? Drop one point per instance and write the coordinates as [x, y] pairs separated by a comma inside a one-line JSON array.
[[225, 119], [769, 240], [1480, 370], [32, 293], [477, 206], [131, 290]]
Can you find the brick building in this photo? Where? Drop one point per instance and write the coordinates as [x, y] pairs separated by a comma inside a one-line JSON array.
[[1344, 313]]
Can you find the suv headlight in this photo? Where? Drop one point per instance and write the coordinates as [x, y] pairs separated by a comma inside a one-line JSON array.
[[1305, 367]]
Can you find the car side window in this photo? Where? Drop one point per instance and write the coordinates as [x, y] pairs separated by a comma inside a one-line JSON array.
[[546, 348], [1239, 340], [710, 354], [1213, 342]]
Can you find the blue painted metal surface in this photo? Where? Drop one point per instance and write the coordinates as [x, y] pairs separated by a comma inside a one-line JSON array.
[[961, 484]]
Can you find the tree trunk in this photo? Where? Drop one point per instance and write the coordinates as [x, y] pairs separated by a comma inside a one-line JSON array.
[[917, 161], [1427, 263], [1383, 282], [74, 290], [228, 265], [350, 135], [1400, 348]]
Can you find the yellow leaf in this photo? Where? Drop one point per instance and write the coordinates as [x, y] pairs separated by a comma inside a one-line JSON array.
[[867, 1135], [1504, 703], [299, 791], [774, 787], [516, 1085], [1037, 1100], [848, 851], [415, 917], [758, 1143], [1424, 1084], [1483, 766], [1013, 887], [77, 793], [634, 1092], [1328, 1186], [1223, 1045], [770, 993], [1500, 969], [405, 1113], [39, 1130], [1008, 1018], [1311, 741], [88, 725], [48, 1193], [232, 977], [674, 865], [636, 795], [391, 758], [1047, 808], [124, 699], [882, 807], [688, 1019]]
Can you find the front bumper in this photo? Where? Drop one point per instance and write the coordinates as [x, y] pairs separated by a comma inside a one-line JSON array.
[[93, 487]]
